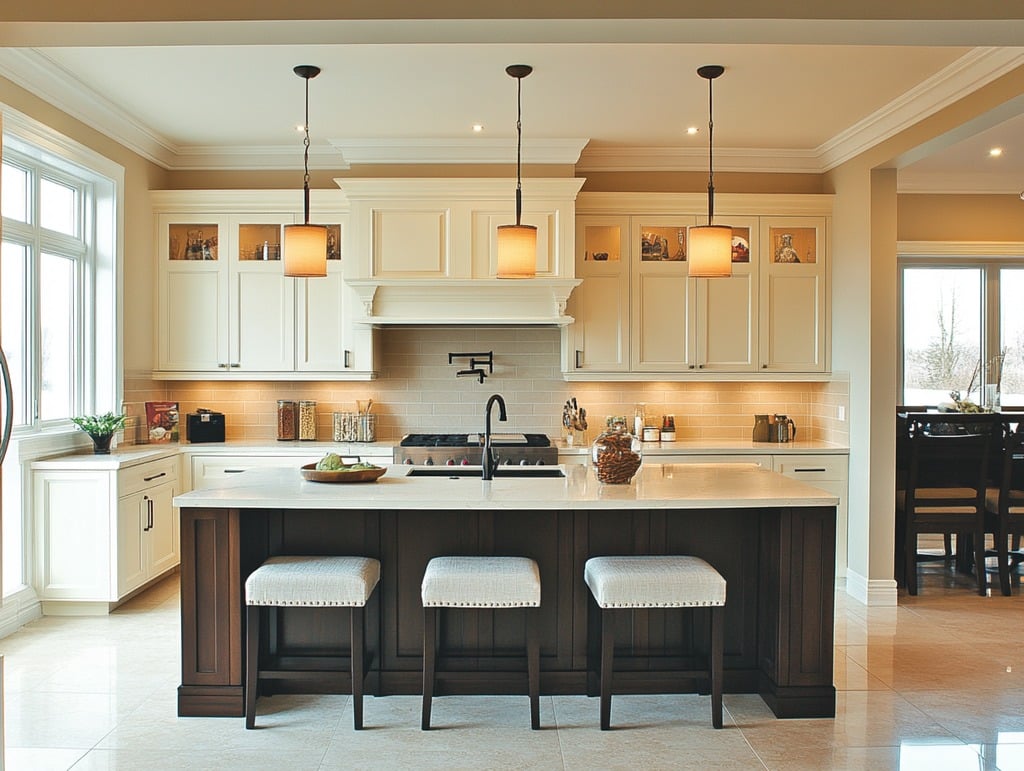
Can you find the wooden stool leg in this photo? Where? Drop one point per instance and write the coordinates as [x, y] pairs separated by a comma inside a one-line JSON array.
[[252, 662], [533, 666], [910, 559], [717, 623], [429, 644], [357, 667], [1003, 557], [979, 560], [607, 665]]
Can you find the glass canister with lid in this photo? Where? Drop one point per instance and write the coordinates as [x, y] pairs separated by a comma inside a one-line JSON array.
[[287, 420], [616, 454], [307, 421]]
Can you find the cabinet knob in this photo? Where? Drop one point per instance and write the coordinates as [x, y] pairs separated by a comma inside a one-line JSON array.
[[764, 366], [691, 366], [224, 365], [701, 366]]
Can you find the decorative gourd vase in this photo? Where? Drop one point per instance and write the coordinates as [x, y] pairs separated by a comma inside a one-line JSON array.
[[616, 455], [101, 443]]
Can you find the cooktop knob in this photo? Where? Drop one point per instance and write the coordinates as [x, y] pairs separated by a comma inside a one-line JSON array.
[[408, 461], [524, 462], [428, 462], [539, 463], [465, 462], [450, 462]]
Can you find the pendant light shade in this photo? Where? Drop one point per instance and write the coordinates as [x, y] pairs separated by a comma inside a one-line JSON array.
[[305, 245], [710, 248], [517, 244]]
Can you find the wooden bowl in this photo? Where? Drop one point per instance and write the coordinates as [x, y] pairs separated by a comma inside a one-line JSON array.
[[310, 472]]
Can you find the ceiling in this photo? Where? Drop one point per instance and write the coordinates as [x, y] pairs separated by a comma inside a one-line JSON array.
[[779, 107]]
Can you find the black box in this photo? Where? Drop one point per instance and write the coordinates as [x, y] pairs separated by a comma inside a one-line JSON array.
[[204, 426]]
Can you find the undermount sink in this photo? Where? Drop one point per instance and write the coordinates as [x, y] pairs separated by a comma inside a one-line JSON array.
[[503, 472]]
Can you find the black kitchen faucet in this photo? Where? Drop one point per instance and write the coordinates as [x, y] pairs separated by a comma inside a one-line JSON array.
[[488, 462]]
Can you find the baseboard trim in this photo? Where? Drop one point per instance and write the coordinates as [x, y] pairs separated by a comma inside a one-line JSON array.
[[875, 593], [14, 618]]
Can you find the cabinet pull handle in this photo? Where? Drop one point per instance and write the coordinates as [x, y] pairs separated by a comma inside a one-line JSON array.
[[700, 366], [764, 366], [223, 365], [155, 476], [579, 358], [236, 364], [149, 512], [348, 359], [233, 470], [798, 470]]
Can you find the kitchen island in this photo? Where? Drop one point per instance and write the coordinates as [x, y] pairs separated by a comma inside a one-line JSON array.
[[771, 537]]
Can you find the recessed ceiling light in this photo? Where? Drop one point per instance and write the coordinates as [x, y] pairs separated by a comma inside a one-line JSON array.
[[995, 152], [692, 130], [477, 128]]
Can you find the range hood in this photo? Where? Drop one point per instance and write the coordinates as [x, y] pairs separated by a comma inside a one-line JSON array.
[[423, 250], [464, 301]]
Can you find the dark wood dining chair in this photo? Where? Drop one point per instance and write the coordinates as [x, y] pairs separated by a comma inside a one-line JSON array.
[[1005, 507], [946, 482]]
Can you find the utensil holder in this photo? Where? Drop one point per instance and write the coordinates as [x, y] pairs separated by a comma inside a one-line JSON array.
[[355, 427]]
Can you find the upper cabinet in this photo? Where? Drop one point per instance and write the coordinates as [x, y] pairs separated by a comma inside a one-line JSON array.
[[425, 250], [225, 308], [638, 315]]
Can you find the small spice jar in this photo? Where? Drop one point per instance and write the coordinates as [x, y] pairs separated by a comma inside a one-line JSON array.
[[287, 420], [307, 421], [616, 454]]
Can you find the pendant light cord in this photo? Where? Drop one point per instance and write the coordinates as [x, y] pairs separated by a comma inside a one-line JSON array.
[[711, 155], [519, 150], [305, 157]]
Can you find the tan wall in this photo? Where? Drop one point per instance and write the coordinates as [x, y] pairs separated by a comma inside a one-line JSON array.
[[697, 182], [418, 392], [960, 217]]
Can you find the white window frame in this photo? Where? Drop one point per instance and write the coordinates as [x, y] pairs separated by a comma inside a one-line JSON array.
[[100, 337], [988, 257]]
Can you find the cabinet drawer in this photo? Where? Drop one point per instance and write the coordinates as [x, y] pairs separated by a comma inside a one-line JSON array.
[[131, 480], [223, 470], [810, 468]]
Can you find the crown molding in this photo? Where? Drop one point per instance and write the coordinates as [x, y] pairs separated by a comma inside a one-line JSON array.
[[264, 158], [959, 249], [970, 72], [458, 151], [59, 87]]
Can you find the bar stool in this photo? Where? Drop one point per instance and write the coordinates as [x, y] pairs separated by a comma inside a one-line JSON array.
[[341, 582], [627, 583], [481, 582]]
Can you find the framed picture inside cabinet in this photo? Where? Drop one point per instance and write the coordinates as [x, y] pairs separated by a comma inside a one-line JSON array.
[[741, 244], [334, 242], [792, 245], [664, 243]]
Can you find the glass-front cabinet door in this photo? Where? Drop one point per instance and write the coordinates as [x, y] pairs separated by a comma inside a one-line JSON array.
[[661, 335], [725, 310], [793, 292], [599, 337]]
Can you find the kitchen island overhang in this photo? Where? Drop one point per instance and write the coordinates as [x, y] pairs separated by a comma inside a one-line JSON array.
[[773, 538]]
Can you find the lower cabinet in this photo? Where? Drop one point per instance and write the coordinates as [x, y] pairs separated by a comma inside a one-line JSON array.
[[102, 533], [829, 473]]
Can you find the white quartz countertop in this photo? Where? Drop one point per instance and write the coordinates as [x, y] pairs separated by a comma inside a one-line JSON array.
[[125, 457], [677, 486]]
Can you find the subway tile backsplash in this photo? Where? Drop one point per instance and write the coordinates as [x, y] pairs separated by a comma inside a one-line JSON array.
[[417, 391]]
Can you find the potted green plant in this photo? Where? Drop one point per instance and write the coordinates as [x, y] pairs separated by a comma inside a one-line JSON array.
[[100, 429]]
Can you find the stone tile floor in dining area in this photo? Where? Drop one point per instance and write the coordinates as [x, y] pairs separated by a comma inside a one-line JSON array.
[[936, 683]]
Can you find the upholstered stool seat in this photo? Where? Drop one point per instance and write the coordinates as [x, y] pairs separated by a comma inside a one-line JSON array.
[[480, 582], [308, 581], [650, 581]]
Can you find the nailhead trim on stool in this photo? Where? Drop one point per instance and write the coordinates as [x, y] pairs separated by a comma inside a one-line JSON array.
[[309, 581], [480, 582], [654, 581]]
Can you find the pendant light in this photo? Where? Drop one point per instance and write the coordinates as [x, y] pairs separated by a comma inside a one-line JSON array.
[[710, 252], [517, 244], [305, 245]]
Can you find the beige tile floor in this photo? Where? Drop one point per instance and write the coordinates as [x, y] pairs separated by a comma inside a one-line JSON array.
[[937, 683]]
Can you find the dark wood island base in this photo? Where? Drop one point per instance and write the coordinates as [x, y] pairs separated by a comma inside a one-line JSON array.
[[778, 562]]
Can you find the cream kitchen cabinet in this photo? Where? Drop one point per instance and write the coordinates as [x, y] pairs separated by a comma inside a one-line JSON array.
[[641, 316], [103, 530], [829, 473], [793, 328], [210, 470], [225, 308]]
